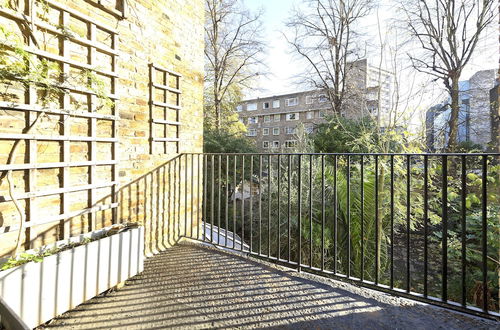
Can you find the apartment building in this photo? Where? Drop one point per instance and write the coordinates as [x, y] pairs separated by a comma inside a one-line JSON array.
[[273, 121], [475, 116]]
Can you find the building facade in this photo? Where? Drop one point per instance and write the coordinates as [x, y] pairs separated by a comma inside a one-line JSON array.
[[474, 119], [273, 122]]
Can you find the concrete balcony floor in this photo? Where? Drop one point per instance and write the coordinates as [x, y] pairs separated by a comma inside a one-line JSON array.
[[193, 286]]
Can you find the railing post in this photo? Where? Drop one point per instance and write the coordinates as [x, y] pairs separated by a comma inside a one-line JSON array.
[[484, 227], [299, 215], [444, 241]]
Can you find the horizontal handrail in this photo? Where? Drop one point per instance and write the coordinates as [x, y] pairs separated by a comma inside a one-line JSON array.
[[348, 154]]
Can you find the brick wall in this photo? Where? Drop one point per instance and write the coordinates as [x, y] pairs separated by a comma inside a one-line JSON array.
[[168, 33]]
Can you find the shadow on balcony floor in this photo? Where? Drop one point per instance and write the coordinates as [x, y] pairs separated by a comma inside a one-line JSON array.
[[192, 286]]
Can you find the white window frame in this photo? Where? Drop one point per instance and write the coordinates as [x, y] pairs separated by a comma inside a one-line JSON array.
[[292, 102], [276, 104], [309, 99], [288, 116], [276, 144], [276, 129], [290, 143], [322, 98], [265, 131], [310, 115], [291, 130], [250, 130], [251, 106], [264, 105], [267, 119], [265, 144], [309, 130], [277, 117], [239, 108], [321, 114], [253, 120]]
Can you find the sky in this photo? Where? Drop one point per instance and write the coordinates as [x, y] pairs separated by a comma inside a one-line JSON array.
[[283, 66]]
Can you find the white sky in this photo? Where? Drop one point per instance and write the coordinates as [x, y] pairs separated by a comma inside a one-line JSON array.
[[283, 66]]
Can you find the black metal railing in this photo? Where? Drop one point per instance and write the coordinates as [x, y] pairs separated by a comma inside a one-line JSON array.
[[426, 226]]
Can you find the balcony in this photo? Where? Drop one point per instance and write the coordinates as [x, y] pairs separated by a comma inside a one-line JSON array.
[[199, 287], [311, 240]]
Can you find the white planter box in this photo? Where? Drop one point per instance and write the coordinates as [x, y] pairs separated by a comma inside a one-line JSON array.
[[38, 292]]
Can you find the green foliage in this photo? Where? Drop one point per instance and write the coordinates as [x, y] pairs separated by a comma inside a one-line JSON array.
[[27, 257], [343, 135], [225, 142]]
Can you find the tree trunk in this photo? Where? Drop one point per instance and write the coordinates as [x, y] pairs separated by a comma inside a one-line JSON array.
[[495, 119], [455, 110]]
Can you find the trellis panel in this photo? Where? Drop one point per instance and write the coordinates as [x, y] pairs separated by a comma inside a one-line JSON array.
[[64, 135], [160, 144]]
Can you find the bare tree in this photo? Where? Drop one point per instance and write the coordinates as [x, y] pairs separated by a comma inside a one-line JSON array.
[[233, 49], [323, 33], [448, 32]]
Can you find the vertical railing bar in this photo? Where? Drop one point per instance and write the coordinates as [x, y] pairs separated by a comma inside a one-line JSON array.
[[335, 202], [226, 202], [185, 194], [278, 255], [311, 159], [377, 229], [192, 195], [212, 198], [392, 223], [234, 200], [260, 204], [484, 227], [348, 204], [444, 201], [408, 214], [322, 212], [299, 211], [205, 193], [198, 183], [251, 203], [219, 192], [242, 201], [463, 228], [426, 223], [289, 205], [269, 193], [362, 188]]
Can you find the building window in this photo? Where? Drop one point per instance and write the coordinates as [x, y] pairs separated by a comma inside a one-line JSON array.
[[310, 114], [253, 120], [322, 98], [239, 108], [290, 130], [321, 114], [267, 119], [252, 106], [242, 120], [291, 102], [309, 99], [252, 132], [309, 129], [290, 143], [265, 131], [276, 104], [292, 116], [276, 144], [277, 117], [265, 144], [276, 131], [266, 105]]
